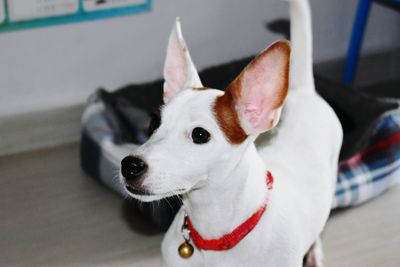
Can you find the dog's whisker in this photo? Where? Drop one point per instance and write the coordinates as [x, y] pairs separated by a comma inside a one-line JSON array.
[[169, 204]]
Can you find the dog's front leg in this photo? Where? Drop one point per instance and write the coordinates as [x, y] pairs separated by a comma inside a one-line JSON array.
[[314, 257]]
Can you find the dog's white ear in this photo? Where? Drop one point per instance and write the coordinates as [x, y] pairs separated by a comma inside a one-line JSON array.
[[179, 70], [259, 92]]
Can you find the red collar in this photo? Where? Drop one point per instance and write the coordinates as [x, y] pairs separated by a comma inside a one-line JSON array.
[[233, 238]]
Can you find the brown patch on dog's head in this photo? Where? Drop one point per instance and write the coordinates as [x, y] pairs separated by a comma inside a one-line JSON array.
[[228, 120], [251, 104]]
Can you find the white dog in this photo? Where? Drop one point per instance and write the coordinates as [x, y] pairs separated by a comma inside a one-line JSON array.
[[243, 204]]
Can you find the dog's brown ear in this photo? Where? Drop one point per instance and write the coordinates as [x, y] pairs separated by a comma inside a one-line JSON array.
[[258, 93], [179, 70]]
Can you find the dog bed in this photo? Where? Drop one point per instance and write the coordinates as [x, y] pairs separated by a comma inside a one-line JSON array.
[[115, 124]]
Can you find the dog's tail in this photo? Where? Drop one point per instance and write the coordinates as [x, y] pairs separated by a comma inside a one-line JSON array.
[[301, 74]]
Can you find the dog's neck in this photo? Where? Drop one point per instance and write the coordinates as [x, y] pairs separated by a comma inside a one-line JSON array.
[[218, 208]]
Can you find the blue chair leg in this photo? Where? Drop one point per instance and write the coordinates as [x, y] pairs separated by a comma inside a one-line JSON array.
[[357, 35]]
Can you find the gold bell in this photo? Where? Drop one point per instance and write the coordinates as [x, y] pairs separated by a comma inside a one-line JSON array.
[[185, 250]]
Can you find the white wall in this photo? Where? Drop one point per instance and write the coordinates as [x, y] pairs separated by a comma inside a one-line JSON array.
[[61, 65]]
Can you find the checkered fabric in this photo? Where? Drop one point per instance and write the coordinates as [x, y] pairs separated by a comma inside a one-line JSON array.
[[373, 170]]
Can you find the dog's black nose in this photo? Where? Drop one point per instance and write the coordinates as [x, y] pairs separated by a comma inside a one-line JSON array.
[[132, 167]]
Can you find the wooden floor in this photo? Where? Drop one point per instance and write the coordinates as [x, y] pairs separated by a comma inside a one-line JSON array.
[[52, 214]]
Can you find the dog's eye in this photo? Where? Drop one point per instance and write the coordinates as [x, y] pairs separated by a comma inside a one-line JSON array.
[[154, 123], [200, 136]]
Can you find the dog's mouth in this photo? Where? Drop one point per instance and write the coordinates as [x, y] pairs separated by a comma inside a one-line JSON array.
[[139, 192], [146, 195]]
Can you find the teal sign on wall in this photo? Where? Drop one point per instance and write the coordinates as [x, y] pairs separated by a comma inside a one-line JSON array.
[[22, 14]]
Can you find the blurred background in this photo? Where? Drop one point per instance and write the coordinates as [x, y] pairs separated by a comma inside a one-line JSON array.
[[58, 66], [56, 53]]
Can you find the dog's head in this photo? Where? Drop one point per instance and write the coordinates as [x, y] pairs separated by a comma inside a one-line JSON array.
[[202, 132]]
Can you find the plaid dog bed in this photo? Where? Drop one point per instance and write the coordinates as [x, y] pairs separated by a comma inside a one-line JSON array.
[[375, 169], [115, 124]]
